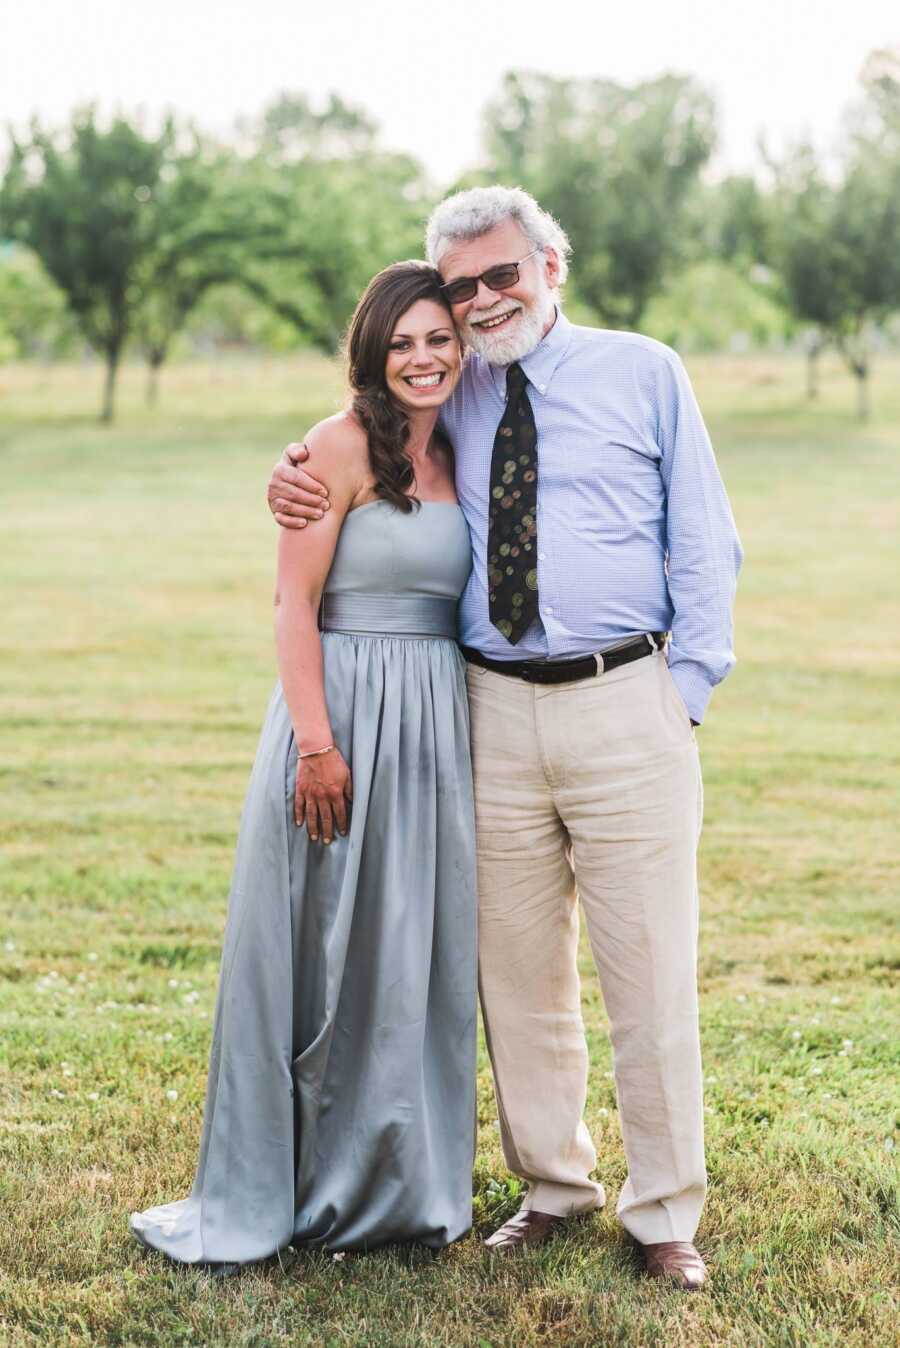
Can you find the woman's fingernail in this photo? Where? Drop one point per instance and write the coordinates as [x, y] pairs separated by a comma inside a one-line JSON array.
[[327, 841], [318, 515]]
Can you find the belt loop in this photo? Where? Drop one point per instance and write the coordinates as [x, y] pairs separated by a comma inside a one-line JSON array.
[[653, 646]]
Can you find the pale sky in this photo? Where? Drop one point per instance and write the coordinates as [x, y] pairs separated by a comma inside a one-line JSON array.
[[424, 72]]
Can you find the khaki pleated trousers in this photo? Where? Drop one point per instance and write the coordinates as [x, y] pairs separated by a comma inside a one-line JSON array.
[[592, 789]]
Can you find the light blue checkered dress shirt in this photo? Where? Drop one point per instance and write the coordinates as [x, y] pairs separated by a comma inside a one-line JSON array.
[[635, 533]]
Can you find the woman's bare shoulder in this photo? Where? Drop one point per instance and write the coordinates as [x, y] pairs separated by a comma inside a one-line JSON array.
[[338, 450]]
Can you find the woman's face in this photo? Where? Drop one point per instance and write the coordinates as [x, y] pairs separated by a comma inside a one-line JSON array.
[[423, 360]]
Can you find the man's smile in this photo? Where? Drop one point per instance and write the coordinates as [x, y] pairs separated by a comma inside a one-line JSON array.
[[497, 321]]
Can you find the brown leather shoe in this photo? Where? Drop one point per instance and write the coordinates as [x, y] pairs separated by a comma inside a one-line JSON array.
[[678, 1260], [526, 1228]]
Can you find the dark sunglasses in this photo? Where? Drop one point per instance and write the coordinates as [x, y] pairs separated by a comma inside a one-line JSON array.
[[501, 277]]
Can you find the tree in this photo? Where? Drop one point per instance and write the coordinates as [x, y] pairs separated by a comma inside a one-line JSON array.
[[838, 243], [807, 252], [79, 202], [615, 164], [343, 206], [207, 223]]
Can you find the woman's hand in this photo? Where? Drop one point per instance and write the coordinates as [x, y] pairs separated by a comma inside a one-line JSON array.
[[294, 495], [322, 793]]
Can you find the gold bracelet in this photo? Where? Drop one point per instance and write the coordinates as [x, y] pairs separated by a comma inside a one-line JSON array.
[[313, 753]]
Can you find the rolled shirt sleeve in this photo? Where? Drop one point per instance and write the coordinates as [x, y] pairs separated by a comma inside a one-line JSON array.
[[703, 549]]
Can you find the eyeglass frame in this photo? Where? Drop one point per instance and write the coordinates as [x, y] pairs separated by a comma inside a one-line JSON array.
[[474, 280]]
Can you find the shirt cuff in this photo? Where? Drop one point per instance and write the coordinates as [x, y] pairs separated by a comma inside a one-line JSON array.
[[693, 687]]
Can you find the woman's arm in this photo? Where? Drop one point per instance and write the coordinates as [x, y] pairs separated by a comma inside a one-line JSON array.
[[304, 560]]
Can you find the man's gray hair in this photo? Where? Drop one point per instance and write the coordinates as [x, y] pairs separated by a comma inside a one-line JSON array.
[[468, 215]]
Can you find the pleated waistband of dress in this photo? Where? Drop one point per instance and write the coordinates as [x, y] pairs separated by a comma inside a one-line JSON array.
[[388, 615]]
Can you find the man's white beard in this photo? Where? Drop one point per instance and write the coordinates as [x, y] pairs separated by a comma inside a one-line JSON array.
[[500, 348]]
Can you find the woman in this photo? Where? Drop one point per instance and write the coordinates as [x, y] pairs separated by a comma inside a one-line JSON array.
[[340, 1107]]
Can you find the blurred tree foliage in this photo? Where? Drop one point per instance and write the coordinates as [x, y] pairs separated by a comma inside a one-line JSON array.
[[34, 318], [269, 237], [712, 306], [615, 165]]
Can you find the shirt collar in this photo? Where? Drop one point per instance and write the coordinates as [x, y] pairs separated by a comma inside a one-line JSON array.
[[541, 363]]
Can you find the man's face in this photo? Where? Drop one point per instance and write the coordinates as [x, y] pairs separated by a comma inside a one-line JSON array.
[[503, 325]]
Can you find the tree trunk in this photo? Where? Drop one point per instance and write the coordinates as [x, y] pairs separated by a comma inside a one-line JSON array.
[[154, 364], [812, 370], [861, 370], [109, 386]]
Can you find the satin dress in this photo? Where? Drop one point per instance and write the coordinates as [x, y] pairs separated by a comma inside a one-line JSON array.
[[340, 1105]]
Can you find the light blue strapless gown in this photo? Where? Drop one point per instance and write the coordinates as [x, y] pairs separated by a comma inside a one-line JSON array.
[[340, 1105]]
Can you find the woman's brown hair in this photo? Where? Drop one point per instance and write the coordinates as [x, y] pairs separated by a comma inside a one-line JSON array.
[[386, 423]]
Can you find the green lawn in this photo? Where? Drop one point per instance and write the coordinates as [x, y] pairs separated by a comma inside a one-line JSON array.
[[136, 571]]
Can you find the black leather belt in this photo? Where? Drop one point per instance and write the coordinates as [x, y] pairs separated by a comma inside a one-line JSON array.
[[568, 671]]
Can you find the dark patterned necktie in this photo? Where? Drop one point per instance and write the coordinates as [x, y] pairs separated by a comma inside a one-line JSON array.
[[512, 519]]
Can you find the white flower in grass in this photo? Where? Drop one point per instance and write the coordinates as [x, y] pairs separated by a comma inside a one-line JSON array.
[[171, 1095], [711, 1081], [68, 1072], [795, 1034], [603, 1112], [835, 1001], [339, 1256], [58, 1095], [173, 982], [816, 1072], [93, 956], [9, 946], [739, 1038], [93, 1095], [847, 1043], [168, 1036], [889, 1144], [740, 997], [826, 1095]]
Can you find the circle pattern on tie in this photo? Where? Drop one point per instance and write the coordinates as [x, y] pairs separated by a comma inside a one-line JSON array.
[[512, 523]]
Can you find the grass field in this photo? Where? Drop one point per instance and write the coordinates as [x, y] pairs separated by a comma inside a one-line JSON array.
[[136, 571]]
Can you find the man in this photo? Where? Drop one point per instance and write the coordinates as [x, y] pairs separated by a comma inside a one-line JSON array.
[[599, 524]]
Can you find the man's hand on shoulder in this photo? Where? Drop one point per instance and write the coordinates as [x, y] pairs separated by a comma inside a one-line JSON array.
[[295, 497]]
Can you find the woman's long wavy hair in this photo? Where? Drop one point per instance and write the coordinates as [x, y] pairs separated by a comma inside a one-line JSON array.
[[385, 421]]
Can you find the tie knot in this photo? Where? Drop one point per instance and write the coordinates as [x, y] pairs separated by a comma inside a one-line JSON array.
[[516, 379]]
